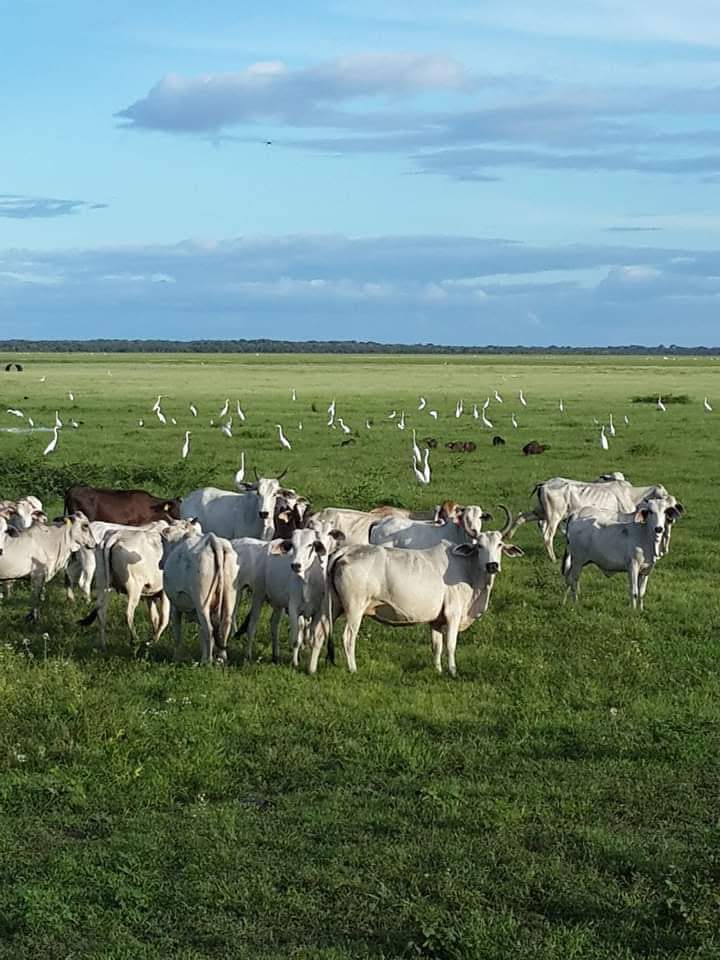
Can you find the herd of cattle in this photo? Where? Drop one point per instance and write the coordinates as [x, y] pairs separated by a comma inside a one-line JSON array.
[[195, 557]]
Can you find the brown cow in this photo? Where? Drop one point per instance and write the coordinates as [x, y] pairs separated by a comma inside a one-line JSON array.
[[132, 507], [535, 447]]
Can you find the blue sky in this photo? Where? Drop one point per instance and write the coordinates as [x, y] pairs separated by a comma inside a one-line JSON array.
[[477, 173]]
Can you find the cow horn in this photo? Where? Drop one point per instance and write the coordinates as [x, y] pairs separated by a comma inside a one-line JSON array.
[[256, 473], [509, 521], [284, 472]]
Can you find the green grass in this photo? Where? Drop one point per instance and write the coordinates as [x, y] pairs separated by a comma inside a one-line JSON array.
[[557, 800]]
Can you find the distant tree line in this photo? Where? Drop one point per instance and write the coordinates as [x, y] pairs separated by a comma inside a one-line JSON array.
[[327, 346]]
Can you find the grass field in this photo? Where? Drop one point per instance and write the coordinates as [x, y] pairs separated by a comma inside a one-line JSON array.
[[558, 800]]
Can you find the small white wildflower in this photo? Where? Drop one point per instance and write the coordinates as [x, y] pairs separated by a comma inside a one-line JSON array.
[[46, 636], [21, 758], [170, 700], [613, 711], [186, 701]]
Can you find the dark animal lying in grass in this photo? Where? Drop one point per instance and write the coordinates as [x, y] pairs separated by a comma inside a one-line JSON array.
[[430, 442], [498, 442], [461, 446], [535, 447]]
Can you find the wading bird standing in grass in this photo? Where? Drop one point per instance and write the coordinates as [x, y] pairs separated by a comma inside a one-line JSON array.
[[707, 405], [422, 472], [193, 409], [283, 439], [561, 407], [71, 396], [522, 399], [226, 429], [401, 421], [476, 414], [422, 403], [300, 425], [156, 405], [239, 411], [74, 424], [16, 413], [293, 395], [58, 421], [611, 427], [368, 424], [498, 397], [141, 422], [186, 445], [433, 414], [486, 404], [240, 473], [416, 449], [603, 439], [31, 422], [343, 426], [161, 416], [486, 422], [513, 420], [392, 414], [459, 409], [660, 405], [50, 448], [626, 420], [225, 408]]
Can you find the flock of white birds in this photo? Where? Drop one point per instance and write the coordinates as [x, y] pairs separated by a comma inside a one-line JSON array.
[[420, 459]]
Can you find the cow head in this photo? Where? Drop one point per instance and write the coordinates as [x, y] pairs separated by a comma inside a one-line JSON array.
[[472, 521], [80, 530], [490, 547], [653, 513], [307, 545], [448, 510], [3, 534]]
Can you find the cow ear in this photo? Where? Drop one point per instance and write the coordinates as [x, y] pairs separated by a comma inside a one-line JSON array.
[[280, 547], [465, 549], [486, 516], [319, 548], [13, 532], [68, 521], [512, 550], [166, 506], [337, 535], [641, 515]]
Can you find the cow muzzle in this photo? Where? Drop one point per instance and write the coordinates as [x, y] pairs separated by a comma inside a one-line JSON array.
[[264, 514], [492, 567], [295, 567], [659, 530]]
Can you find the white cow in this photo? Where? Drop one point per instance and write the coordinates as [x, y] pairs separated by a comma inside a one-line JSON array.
[[421, 535], [290, 575], [22, 513], [128, 561], [232, 515], [447, 586], [40, 552], [633, 546], [200, 574], [559, 498], [673, 513], [3, 534]]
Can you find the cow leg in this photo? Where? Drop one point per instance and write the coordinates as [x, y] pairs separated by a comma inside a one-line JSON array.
[[206, 635], [451, 635], [133, 599], [103, 599], [37, 582], [176, 617], [549, 529], [297, 630], [257, 602], [274, 633], [436, 639], [352, 626], [69, 592], [642, 587], [633, 576], [162, 605]]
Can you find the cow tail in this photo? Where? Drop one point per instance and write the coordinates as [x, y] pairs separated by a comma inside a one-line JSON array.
[[567, 557], [215, 593], [243, 628]]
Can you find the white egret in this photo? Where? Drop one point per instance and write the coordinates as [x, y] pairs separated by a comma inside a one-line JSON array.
[[498, 397], [293, 394], [50, 448], [225, 408], [486, 422], [625, 419], [186, 445], [561, 407], [31, 422], [660, 405], [43, 379], [74, 424], [416, 449], [283, 439], [141, 422], [707, 405], [239, 411], [422, 403], [300, 425], [71, 396], [226, 429], [343, 426], [193, 409], [487, 403], [16, 413], [522, 399], [173, 421], [459, 409], [368, 425], [611, 427], [156, 405], [434, 414], [392, 415], [58, 421], [475, 412], [331, 410], [422, 473], [161, 416], [513, 420], [603, 439], [240, 473], [401, 422]]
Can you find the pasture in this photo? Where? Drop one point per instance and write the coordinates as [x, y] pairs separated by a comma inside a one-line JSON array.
[[558, 799]]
